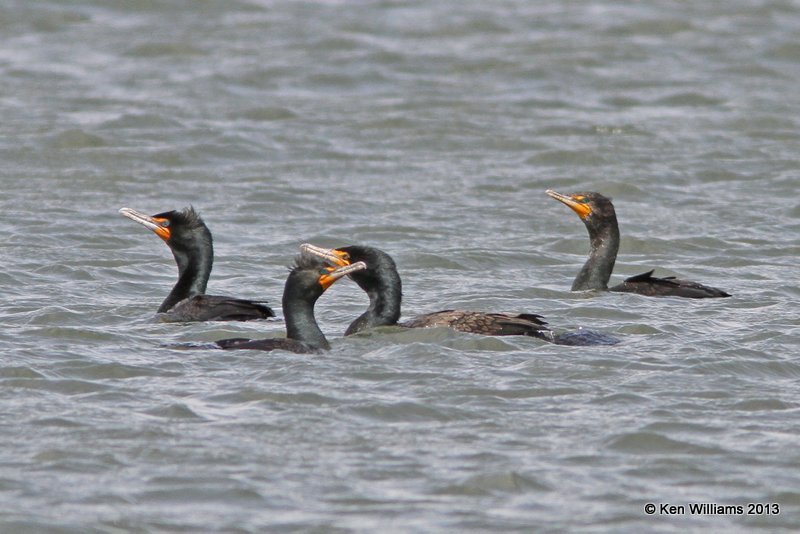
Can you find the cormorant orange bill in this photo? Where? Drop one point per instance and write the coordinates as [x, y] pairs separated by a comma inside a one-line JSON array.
[[579, 203], [333, 256], [158, 225], [329, 275]]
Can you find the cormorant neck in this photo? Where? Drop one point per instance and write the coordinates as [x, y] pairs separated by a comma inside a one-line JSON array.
[[384, 288], [194, 269], [301, 324], [596, 272]]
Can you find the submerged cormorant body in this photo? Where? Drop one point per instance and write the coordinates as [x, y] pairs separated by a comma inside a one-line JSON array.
[[597, 213], [190, 241], [381, 281], [307, 281]]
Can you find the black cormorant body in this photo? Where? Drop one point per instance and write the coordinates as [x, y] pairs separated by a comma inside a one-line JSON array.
[[191, 244], [381, 281], [597, 213], [307, 281]]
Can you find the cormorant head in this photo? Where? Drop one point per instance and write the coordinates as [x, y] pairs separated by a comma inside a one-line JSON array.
[[595, 210], [182, 230], [379, 264], [309, 277]]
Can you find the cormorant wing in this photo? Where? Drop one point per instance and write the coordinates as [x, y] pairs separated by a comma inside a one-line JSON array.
[[669, 286], [489, 324], [217, 308], [268, 344]]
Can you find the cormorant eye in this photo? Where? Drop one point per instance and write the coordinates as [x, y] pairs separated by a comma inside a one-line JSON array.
[[345, 256], [165, 223]]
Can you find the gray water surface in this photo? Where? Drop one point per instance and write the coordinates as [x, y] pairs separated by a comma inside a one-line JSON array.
[[430, 130]]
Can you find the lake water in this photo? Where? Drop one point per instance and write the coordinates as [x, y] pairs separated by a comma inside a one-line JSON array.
[[430, 130]]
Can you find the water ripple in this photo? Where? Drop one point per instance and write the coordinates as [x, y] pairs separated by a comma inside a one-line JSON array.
[[430, 130]]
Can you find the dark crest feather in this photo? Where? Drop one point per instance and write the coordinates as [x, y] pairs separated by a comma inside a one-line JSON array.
[[186, 217], [306, 261]]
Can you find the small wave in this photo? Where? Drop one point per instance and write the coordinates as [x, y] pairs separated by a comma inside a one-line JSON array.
[[654, 443]]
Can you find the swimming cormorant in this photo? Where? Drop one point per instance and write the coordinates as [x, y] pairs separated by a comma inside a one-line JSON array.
[[381, 281], [190, 241], [307, 281], [597, 213]]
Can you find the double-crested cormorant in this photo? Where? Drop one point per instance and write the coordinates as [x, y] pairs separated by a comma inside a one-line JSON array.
[[189, 239], [307, 281], [381, 281], [597, 213]]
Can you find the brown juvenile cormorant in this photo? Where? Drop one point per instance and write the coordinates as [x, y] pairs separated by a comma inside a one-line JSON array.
[[307, 281], [190, 241], [381, 281], [597, 213]]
